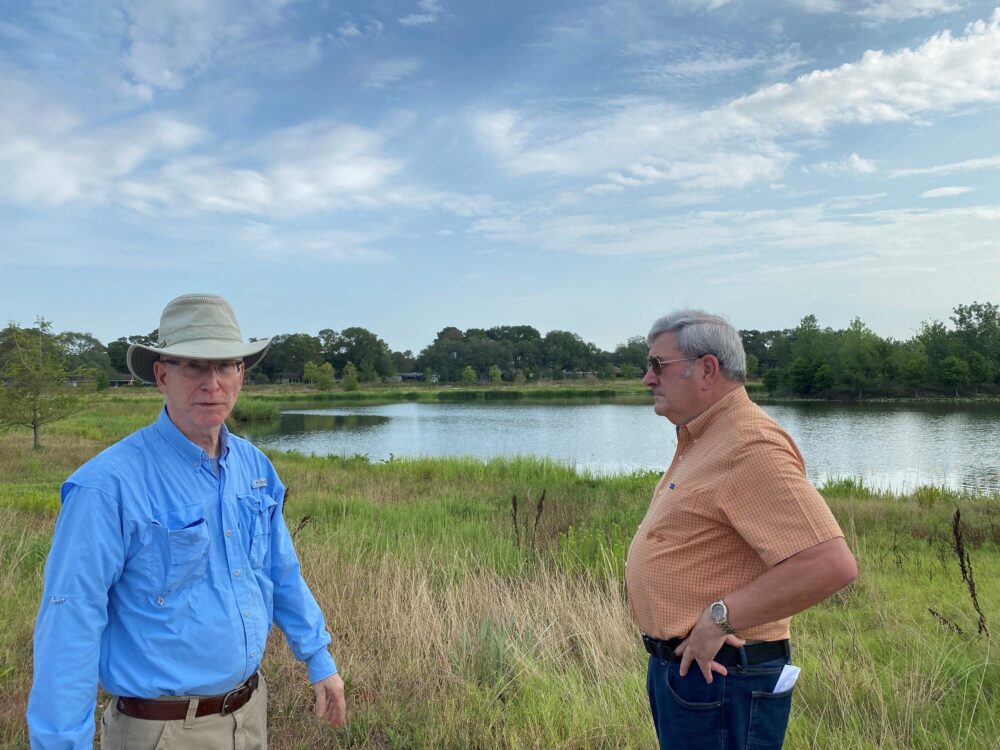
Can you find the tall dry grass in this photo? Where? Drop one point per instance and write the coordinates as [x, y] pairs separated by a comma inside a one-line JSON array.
[[453, 632]]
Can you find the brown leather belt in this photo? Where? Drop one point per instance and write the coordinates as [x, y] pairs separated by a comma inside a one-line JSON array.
[[141, 708]]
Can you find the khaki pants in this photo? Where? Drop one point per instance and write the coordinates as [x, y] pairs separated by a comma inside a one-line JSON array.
[[245, 729]]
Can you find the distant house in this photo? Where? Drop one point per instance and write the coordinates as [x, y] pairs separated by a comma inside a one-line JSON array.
[[414, 377], [287, 378], [120, 379], [75, 381]]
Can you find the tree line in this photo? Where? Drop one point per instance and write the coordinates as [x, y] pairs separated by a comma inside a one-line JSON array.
[[954, 358]]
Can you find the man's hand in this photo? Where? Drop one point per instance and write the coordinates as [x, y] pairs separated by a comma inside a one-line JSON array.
[[701, 646], [330, 703]]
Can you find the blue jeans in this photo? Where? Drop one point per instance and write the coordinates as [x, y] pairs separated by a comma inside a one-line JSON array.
[[736, 712]]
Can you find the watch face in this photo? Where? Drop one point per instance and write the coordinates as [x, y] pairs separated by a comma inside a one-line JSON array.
[[718, 611]]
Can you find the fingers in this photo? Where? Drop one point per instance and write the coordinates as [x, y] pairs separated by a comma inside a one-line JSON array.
[[338, 710], [330, 702], [319, 709], [734, 640]]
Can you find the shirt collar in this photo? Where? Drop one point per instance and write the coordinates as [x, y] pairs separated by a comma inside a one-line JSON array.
[[187, 449], [697, 426]]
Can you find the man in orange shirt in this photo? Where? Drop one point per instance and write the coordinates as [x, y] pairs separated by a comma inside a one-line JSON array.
[[735, 541]]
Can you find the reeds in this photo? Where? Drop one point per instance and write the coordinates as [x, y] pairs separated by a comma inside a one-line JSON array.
[[459, 623]]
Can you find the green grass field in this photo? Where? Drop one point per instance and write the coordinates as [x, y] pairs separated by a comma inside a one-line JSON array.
[[453, 630]]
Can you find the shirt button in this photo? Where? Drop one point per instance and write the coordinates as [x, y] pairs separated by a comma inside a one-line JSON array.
[[159, 601], [253, 653], [246, 612], [236, 572], [196, 464], [229, 532]]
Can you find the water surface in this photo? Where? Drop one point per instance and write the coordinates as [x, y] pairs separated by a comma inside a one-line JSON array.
[[889, 446]]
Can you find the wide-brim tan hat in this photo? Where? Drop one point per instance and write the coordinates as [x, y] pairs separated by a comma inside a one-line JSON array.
[[196, 326]]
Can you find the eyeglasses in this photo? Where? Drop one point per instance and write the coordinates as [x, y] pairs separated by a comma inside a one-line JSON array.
[[197, 369], [656, 364]]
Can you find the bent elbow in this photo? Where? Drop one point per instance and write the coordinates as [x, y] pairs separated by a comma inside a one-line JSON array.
[[844, 571]]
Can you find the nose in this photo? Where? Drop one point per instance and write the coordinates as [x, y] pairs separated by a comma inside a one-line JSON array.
[[650, 378], [212, 380]]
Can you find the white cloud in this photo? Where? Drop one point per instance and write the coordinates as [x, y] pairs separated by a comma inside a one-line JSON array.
[[970, 165], [169, 40], [348, 30], [49, 157], [945, 192], [431, 11], [901, 10], [389, 72], [672, 142], [853, 164], [705, 66], [792, 238], [281, 244]]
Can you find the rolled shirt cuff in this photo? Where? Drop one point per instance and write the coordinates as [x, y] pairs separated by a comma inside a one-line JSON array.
[[320, 665]]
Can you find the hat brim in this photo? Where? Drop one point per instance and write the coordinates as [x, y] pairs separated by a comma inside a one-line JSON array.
[[140, 358]]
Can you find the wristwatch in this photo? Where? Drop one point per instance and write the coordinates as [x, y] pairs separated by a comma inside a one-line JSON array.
[[720, 616]]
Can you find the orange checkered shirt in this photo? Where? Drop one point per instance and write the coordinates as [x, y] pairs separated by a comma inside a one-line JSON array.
[[734, 502]]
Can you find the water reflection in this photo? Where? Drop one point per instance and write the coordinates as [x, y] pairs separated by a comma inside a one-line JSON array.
[[294, 423], [889, 446]]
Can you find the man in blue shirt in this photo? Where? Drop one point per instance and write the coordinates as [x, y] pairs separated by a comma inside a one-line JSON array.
[[170, 561]]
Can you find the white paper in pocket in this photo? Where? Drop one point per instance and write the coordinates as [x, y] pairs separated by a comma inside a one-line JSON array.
[[787, 678]]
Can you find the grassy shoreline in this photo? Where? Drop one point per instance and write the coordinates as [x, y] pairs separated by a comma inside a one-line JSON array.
[[547, 390], [453, 630]]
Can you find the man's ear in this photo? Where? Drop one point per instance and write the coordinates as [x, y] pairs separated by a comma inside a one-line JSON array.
[[709, 369], [159, 372]]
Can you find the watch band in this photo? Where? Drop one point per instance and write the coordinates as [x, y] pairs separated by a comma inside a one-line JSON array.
[[720, 616]]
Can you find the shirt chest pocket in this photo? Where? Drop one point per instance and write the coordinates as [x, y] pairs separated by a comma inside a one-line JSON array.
[[256, 510], [179, 556]]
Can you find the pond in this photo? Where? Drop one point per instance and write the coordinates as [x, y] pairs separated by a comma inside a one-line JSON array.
[[889, 446]]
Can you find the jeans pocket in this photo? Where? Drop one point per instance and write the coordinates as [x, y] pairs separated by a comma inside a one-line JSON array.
[[768, 719], [693, 715]]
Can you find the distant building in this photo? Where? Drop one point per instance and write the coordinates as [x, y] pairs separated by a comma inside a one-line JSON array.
[[120, 379], [413, 377]]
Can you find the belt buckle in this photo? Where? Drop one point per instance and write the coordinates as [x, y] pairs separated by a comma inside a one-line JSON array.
[[225, 710]]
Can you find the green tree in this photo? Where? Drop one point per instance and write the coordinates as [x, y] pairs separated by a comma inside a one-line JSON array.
[[356, 344], [118, 349], [519, 378], [629, 371], [823, 379], [860, 360], [772, 379], [634, 352], [428, 375], [977, 327], [980, 369], [321, 376], [752, 364], [953, 372], [367, 373], [496, 377], [909, 363], [349, 377], [468, 376], [36, 390], [800, 376], [289, 353]]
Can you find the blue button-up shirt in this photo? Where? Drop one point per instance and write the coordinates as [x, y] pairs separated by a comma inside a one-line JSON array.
[[163, 580]]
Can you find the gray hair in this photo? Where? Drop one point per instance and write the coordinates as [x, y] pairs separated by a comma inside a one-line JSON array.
[[700, 333]]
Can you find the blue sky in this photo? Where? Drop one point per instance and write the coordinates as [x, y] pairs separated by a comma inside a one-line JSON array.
[[587, 166]]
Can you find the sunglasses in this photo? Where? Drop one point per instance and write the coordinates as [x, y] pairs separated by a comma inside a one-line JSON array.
[[656, 364]]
